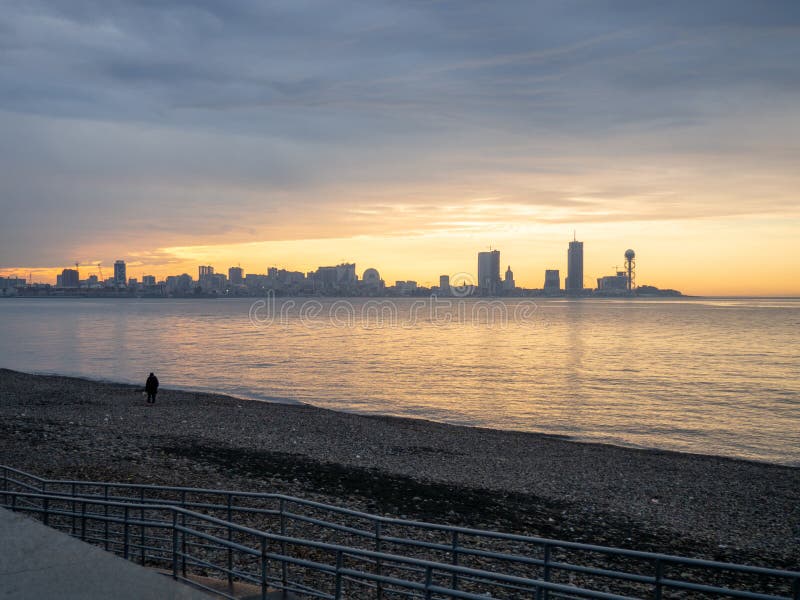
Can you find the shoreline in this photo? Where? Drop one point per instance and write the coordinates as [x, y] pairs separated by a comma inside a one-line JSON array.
[[698, 505], [378, 415]]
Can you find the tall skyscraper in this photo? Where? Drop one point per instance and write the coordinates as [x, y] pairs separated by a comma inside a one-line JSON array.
[[574, 283], [489, 281], [120, 277]]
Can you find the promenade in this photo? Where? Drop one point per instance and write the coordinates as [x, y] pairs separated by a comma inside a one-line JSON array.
[[39, 562]]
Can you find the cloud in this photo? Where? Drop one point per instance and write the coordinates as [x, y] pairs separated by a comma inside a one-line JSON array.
[[154, 124]]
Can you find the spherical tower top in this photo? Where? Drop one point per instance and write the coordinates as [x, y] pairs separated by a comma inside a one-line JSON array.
[[630, 254]]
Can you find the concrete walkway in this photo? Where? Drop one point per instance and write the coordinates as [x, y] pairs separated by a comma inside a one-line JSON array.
[[39, 562]]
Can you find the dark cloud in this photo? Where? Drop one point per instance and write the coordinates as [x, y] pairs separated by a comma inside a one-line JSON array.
[[207, 113]]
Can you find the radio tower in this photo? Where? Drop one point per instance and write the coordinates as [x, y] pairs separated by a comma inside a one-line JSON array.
[[630, 266]]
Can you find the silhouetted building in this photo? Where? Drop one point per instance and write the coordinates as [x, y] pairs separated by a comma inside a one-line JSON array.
[[371, 280], [508, 283], [256, 282], [325, 278], [613, 283], [9, 286], [236, 275], [179, 284], [148, 280], [216, 282], [120, 273], [552, 281], [346, 273], [204, 272], [405, 288], [489, 272], [444, 285], [283, 280], [574, 283], [9, 282], [69, 278], [210, 281], [335, 279]]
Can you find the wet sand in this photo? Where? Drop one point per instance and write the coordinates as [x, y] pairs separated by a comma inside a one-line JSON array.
[[695, 505]]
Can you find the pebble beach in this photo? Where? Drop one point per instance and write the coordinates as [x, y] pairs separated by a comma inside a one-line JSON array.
[[688, 504]]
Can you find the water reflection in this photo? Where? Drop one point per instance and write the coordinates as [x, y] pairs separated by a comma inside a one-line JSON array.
[[707, 376]]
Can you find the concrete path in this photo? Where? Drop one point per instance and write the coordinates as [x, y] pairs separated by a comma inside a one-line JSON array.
[[39, 562]]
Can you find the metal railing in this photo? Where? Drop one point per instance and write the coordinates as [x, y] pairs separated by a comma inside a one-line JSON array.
[[317, 550]]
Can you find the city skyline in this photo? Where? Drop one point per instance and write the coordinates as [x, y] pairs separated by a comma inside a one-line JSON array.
[[488, 261], [406, 135], [486, 279]]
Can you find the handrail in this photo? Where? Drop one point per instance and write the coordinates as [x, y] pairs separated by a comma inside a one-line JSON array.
[[425, 525], [455, 548], [335, 548]]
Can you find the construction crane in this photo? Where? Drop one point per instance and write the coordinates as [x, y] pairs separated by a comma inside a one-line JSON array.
[[97, 265]]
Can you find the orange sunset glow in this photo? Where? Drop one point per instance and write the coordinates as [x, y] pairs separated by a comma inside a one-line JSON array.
[[412, 162]]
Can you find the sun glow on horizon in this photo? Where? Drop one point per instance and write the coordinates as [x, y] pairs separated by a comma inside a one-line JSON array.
[[698, 257]]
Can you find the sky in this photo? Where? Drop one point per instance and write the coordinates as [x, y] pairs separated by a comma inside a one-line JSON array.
[[405, 136]]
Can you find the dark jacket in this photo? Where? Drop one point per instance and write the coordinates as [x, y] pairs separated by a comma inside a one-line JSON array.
[[151, 387]]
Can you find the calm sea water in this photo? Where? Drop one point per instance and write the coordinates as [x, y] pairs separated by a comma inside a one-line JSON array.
[[714, 376]]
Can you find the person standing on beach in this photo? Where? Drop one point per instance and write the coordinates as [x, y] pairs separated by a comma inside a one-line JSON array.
[[151, 387]]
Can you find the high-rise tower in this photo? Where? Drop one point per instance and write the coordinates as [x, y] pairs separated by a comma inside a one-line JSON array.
[[574, 283], [489, 281], [120, 273]]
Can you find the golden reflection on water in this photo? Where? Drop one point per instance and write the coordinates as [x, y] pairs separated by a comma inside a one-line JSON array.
[[710, 376]]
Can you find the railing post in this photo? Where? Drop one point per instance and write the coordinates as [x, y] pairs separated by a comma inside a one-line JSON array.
[[284, 566], [264, 569], [183, 534], [543, 594], [428, 581], [378, 562], [454, 559], [125, 535], [338, 592], [230, 538], [46, 505], [174, 545], [796, 589], [105, 524], [141, 526], [5, 484], [72, 531], [83, 520], [659, 576]]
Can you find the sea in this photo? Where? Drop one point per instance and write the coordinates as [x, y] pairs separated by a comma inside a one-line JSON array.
[[718, 376]]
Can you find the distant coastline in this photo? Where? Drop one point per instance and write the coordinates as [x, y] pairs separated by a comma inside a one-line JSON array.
[[110, 293]]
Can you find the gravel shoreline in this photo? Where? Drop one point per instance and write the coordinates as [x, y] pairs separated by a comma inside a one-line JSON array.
[[694, 505]]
